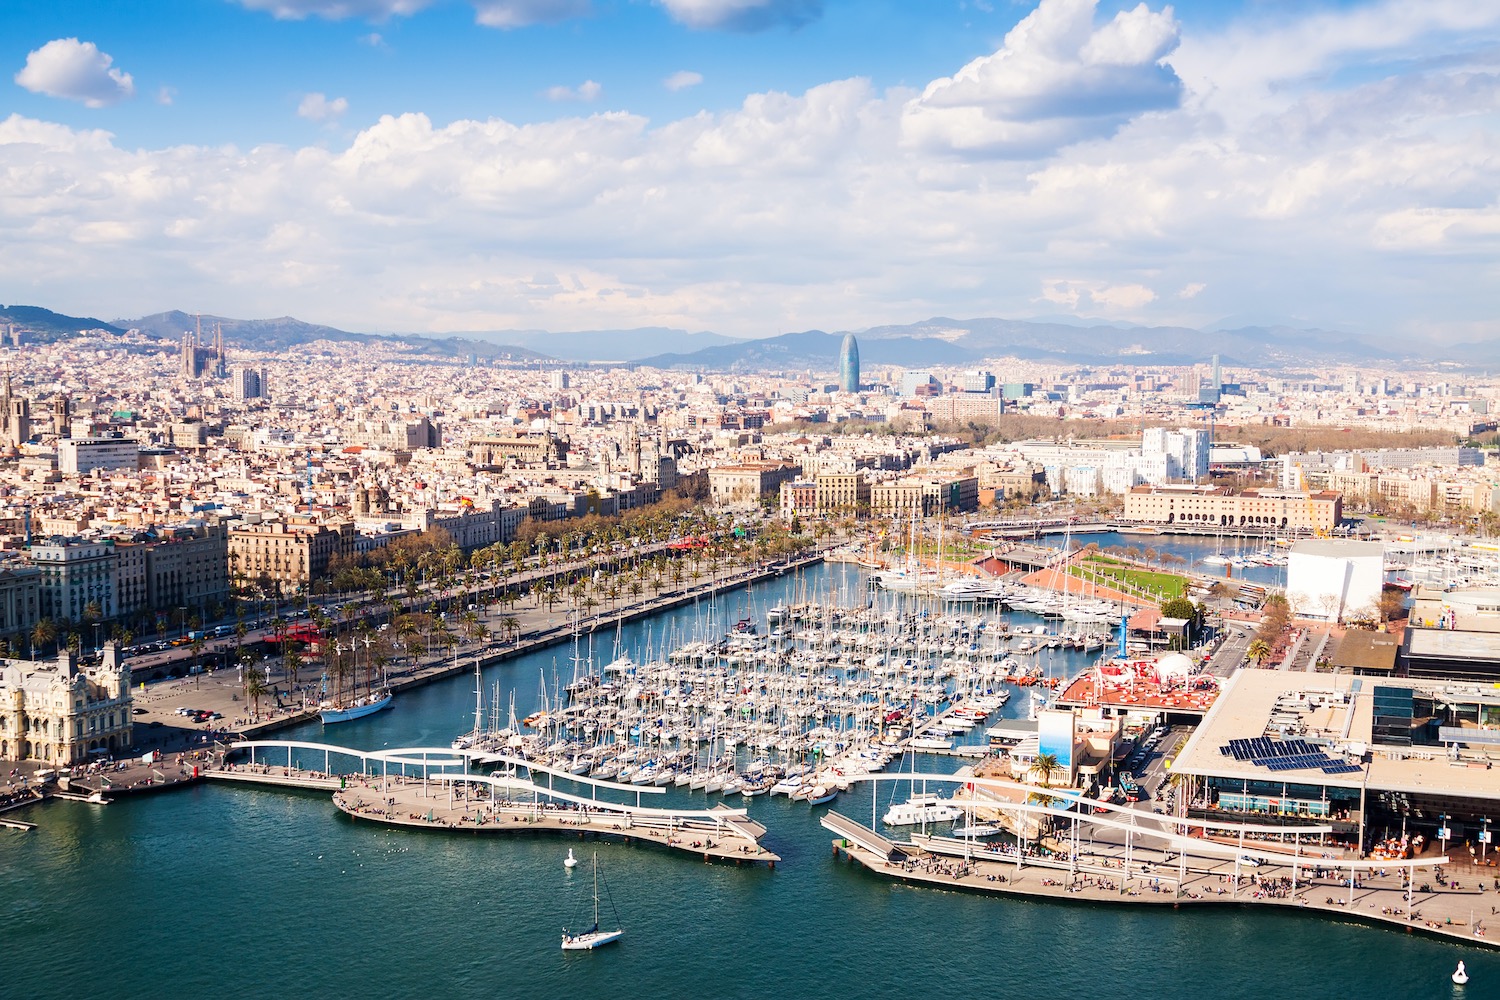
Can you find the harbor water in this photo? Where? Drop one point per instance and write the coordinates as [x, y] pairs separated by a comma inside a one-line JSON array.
[[217, 890]]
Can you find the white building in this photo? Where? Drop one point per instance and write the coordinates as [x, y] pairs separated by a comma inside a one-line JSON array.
[[80, 456], [1335, 580]]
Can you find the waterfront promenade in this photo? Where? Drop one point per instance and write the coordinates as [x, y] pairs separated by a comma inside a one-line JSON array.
[[1464, 910], [448, 802], [539, 628]]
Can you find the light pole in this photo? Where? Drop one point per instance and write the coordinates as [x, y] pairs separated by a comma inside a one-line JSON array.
[[1484, 839], [1443, 831]]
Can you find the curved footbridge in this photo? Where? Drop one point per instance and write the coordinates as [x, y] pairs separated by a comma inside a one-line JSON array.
[[1138, 857], [438, 788]]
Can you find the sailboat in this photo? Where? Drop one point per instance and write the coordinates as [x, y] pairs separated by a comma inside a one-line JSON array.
[[593, 937], [570, 861]]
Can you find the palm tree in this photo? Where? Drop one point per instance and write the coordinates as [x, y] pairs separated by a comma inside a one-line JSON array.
[[43, 633], [1044, 767], [512, 626], [1259, 651], [255, 687]]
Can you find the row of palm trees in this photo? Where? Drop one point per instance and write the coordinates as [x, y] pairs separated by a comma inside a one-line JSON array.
[[430, 594]]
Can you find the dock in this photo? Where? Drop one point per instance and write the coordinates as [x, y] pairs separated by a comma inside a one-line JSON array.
[[722, 840], [945, 863], [439, 798]]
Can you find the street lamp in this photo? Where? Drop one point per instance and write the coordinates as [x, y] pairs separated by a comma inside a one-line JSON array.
[[1443, 831], [1484, 839]]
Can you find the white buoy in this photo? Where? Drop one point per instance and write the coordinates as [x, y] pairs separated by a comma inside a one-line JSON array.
[[571, 861], [1460, 976]]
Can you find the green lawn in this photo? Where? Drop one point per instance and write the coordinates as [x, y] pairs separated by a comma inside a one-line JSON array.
[[1113, 573]]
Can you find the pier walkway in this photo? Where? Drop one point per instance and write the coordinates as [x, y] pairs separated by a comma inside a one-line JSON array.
[[435, 788], [1164, 860]]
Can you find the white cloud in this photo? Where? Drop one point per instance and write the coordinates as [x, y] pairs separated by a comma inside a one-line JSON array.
[[727, 15], [588, 90], [338, 10], [1057, 80], [744, 15], [1370, 203], [1253, 64], [374, 40], [682, 80], [317, 107], [520, 13], [166, 95], [77, 71], [1076, 294]]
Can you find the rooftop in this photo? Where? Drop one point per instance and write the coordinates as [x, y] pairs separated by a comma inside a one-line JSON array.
[[1331, 712]]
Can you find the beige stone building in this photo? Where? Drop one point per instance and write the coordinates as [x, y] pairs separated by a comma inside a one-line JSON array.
[[292, 555], [1211, 508], [842, 491], [748, 481], [924, 495], [53, 711]]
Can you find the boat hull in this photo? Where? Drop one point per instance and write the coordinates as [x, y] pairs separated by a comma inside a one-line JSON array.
[[590, 941], [356, 711]]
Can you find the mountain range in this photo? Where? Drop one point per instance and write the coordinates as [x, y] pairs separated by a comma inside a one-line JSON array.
[[944, 341], [936, 341]]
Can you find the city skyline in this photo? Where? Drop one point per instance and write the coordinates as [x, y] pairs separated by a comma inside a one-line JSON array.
[[754, 167]]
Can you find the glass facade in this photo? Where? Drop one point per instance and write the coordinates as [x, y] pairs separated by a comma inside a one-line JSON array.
[[1393, 716], [849, 364]]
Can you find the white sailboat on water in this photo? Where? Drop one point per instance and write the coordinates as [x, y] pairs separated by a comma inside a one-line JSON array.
[[593, 937]]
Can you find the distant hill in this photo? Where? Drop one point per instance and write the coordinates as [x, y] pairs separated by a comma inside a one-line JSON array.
[[608, 345], [1114, 344], [45, 326], [286, 331], [811, 349], [258, 334], [940, 340], [945, 341]]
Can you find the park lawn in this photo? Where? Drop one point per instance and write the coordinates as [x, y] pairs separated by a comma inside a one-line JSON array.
[[1101, 569]]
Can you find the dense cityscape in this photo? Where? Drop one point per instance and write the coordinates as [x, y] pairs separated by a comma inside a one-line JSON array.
[[749, 497]]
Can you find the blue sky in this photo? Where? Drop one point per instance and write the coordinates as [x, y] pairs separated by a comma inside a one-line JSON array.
[[750, 166]]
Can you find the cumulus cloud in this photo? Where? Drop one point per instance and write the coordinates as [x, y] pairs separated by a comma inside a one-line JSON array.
[[1058, 79], [724, 15], [337, 10], [588, 90], [1089, 294], [77, 71], [316, 107], [1370, 203], [520, 13], [166, 95], [744, 15], [1267, 59], [682, 80]]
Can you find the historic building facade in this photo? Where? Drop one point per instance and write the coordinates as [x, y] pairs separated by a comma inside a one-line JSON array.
[[55, 711]]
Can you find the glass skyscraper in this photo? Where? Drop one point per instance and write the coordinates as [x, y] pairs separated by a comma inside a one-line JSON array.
[[849, 364]]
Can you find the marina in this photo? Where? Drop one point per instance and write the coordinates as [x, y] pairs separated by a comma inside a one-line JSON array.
[[514, 884]]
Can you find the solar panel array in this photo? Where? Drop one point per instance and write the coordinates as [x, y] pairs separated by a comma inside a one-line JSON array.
[[1285, 755]]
